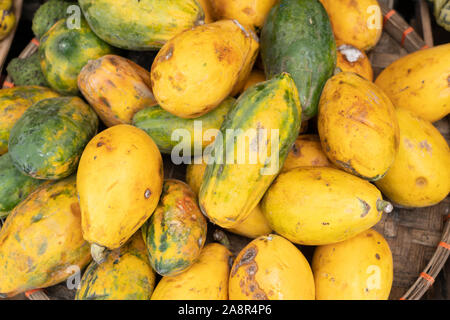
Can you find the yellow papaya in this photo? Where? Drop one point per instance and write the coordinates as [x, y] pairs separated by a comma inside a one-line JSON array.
[[116, 88], [420, 175], [179, 74], [207, 9], [41, 241], [176, 233], [7, 20], [420, 82], [360, 268], [126, 274], [207, 279], [352, 59], [271, 268], [322, 205], [357, 126], [119, 181]]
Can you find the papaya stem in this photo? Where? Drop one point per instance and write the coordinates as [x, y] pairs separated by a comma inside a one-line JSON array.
[[222, 238], [384, 206], [98, 253]]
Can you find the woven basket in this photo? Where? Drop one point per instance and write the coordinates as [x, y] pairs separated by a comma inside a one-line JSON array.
[[419, 238]]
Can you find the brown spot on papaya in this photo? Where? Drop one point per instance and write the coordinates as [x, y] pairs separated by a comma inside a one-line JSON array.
[[248, 11], [147, 193], [111, 83], [377, 256], [167, 54], [424, 145], [185, 204], [365, 207], [421, 182], [223, 52], [100, 144], [326, 223], [75, 209], [105, 102], [369, 235], [296, 150]]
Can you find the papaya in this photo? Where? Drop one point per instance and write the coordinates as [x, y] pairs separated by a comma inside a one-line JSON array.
[[13, 103], [176, 233], [420, 175], [253, 226], [351, 59], [420, 82], [26, 71], [206, 279], [256, 76], [126, 274], [253, 150], [14, 185], [48, 14], [49, 138], [41, 241], [271, 268], [141, 25], [119, 182], [340, 274], [322, 205], [99, 81], [357, 126], [7, 19], [64, 50], [297, 38], [358, 23], [252, 13], [213, 70], [306, 152], [163, 127]]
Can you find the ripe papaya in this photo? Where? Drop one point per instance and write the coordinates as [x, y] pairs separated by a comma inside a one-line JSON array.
[[41, 241], [351, 59], [358, 127], [119, 182], [297, 38], [47, 141], [207, 9], [65, 50], [420, 175], [176, 233], [262, 128], [7, 19], [322, 205], [271, 268], [420, 82], [189, 90], [207, 279], [13, 103], [126, 274], [99, 81], [360, 268], [141, 25]]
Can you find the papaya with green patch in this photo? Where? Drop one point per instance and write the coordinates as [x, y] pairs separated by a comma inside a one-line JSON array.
[[176, 232], [65, 50], [126, 274], [41, 242], [13, 103], [49, 138], [141, 25]]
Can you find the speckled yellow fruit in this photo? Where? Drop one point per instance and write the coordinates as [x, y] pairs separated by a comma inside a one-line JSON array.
[[207, 279], [7, 20], [256, 76], [420, 82], [126, 274], [271, 268], [119, 182], [357, 125], [359, 23], [116, 88], [322, 205], [253, 226], [306, 152], [189, 83], [252, 13], [420, 175], [359, 268], [351, 59], [41, 242], [207, 9]]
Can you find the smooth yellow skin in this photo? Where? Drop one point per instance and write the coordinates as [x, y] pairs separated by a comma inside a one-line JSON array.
[[207, 9], [357, 125], [190, 82], [306, 152], [207, 279], [247, 12], [7, 22], [352, 59], [253, 226], [41, 240], [116, 88], [119, 182], [271, 268], [126, 274], [420, 82], [5, 4], [420, 175], [320, 205], [359, 23], [256, 76], [359, 268]]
